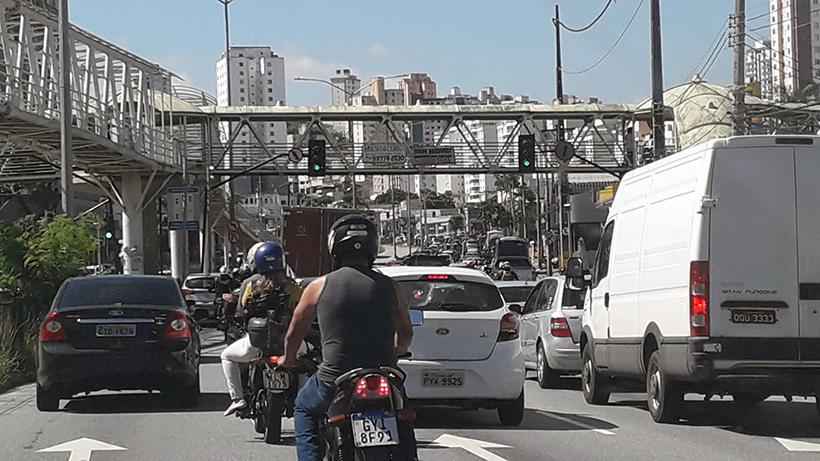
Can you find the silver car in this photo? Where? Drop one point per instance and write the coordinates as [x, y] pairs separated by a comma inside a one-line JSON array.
[[550, 329], [199, 289]]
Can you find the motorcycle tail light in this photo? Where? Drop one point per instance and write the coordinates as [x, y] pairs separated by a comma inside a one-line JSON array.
[[372, 387]]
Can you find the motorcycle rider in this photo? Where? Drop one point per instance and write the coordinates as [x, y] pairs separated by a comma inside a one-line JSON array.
[[362, 321], [506, 273], [269, 262]]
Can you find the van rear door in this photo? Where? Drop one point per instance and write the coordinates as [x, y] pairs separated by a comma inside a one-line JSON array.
[[807, 161], [753, 251]]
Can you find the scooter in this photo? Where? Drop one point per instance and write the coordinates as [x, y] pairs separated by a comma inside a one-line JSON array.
[[368, 419]]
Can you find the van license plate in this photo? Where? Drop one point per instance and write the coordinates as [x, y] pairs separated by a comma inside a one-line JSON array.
[[115, 331], [374, 429], [758, 317]]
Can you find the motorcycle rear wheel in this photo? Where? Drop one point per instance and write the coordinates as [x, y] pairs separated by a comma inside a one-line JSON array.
[[273, 415]]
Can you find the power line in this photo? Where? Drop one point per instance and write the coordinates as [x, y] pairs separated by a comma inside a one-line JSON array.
[[590, 25], [708, 66], [719, 42], [614, 45]]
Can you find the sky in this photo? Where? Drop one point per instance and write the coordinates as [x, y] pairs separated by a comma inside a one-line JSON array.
[[472, 44]]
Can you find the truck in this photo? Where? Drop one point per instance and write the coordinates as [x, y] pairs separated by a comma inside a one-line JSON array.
[[304, 236]]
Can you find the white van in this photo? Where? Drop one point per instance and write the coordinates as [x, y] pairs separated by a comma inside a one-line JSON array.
[[707, 277]]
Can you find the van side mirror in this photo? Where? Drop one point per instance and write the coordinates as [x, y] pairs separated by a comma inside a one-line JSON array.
[[517, 308], [575, 267]]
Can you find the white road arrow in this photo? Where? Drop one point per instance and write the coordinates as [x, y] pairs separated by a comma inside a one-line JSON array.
[[81, 449], [797, 445], [476, 447]]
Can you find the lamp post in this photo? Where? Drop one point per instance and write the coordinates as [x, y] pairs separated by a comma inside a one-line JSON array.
[[348, 102], [231, 199]]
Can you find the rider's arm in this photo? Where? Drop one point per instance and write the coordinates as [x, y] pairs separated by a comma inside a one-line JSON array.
[[401, 323], [303, 317]]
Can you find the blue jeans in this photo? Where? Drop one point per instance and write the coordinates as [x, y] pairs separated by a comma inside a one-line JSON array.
[[312, 404]]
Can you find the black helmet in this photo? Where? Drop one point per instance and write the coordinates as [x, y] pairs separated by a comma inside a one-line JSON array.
[[353, 235]]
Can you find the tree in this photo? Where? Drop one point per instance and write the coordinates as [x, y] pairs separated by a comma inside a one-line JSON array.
[[347, 195], [457, 222], [434, 200], [399, 194]]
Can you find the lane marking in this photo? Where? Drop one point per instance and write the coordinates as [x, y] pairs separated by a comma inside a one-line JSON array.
[[798, 445], [476, 447], [577, 423], [80, 449]]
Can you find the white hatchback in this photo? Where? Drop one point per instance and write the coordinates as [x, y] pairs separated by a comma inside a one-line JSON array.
[[466, 347]]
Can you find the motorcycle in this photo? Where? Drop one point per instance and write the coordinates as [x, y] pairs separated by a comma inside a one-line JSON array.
[[369, 419], [270, 389]]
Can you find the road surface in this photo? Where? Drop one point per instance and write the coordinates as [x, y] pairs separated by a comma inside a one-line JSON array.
[[558, 426]]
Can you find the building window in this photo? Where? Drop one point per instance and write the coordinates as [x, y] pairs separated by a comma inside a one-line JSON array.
[[270, 98], [270, 81], [242, 99], [241, 73], [241, 64], [241, 90]]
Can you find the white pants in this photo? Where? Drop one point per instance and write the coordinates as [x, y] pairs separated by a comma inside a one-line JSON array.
[[240, 351]]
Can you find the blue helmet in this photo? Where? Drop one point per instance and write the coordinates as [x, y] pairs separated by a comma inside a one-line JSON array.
[[269, 257]]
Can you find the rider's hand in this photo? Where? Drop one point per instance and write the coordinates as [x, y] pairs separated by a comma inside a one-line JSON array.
[[287, 363]]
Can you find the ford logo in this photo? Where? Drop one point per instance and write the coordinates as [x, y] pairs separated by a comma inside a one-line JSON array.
[[116, 313], [442, 331]]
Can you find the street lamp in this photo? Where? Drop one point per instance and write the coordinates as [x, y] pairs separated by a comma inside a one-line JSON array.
[[231, 198], [348, 102]]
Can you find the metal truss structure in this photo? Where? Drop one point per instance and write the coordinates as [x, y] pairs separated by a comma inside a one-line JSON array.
[[114, 93], [598, 138]]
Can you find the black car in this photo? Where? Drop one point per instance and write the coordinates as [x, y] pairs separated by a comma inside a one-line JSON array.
[[120, 333]]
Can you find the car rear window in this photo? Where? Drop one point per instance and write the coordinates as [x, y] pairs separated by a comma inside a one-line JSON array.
[[573, 299], [517, 294], [452, 296], [513, 248], [207, 283], [122, 290], [520, 263], [419, 260]]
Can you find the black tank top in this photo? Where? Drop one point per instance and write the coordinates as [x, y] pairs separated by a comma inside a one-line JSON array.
[[355, 321]]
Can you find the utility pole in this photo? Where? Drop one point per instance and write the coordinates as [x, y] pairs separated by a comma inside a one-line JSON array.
[[658, 127], [393, 214], [739, 119], [66, 153], [562, 175]]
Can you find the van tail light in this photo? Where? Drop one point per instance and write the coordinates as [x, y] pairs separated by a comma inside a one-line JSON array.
[[372, 387], [509, 327], [52, 329], [559, 328], [177, 326], [699, 298]]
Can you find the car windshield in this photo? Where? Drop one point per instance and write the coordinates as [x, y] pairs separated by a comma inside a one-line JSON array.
[[516, 294], [207, 283], [450, 296], [120, 290]]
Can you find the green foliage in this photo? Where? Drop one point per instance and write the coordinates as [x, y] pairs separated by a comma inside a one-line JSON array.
[[400, 195], [36, 256]]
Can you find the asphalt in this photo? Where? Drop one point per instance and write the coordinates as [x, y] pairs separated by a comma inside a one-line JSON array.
[[558, 425]]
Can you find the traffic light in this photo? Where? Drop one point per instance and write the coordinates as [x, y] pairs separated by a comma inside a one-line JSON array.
[[316, 157], [526, 153]]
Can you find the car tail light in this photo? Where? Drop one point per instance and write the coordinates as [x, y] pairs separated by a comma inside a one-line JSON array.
[[52, 329], [372, 387], [177, 326], [699, 298], [509, 327], [559, 328]]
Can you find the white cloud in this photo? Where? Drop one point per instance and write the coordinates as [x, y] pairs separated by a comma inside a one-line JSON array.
[[307, 66], [377, 50]]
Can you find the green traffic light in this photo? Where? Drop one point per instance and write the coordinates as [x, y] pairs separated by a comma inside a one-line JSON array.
[[526, 163], [316, 168]]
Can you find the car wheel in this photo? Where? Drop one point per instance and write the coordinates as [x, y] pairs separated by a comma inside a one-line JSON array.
[[663, 396], [593, 383], [511, 413], [547, 377], [47, 400], [273, 425], [748, 399]]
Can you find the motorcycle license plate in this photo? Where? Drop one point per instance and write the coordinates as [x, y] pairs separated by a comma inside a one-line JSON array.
[[374, 429], [279, 380]]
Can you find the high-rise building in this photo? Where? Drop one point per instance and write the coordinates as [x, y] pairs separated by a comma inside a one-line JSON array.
[[346, 86], [795, 36], [417, 86], [759, 69], [257, 79]]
